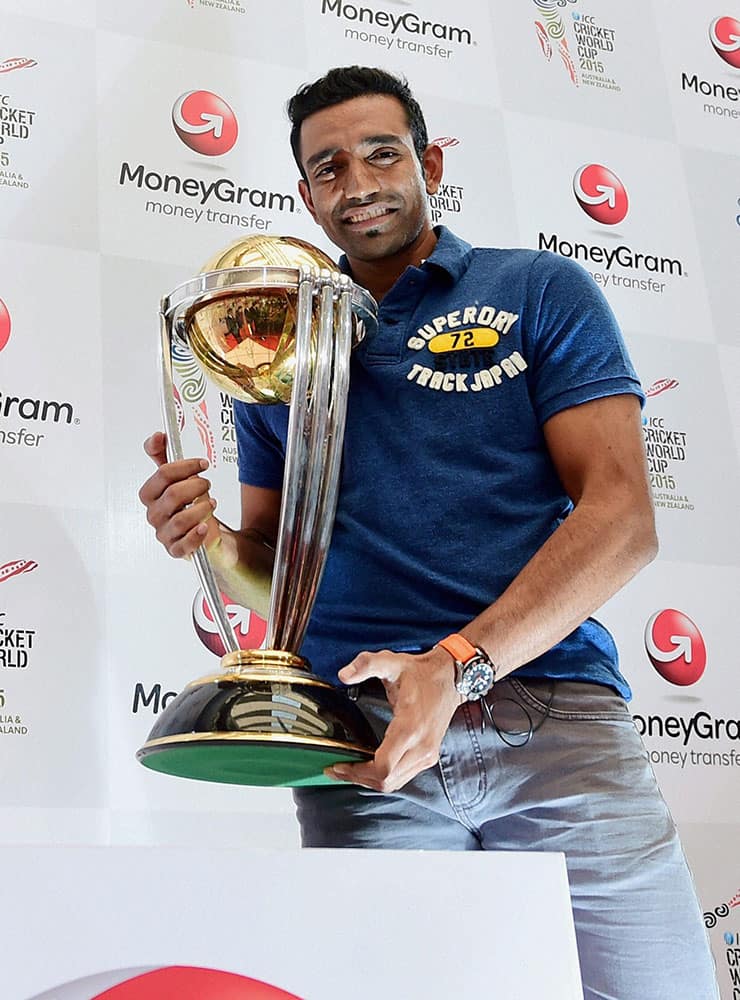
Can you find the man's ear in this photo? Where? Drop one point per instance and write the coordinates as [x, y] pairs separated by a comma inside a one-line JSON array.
[[432, 164], [305, 193]]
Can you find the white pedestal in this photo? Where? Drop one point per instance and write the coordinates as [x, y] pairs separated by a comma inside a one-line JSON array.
[[324, 925]]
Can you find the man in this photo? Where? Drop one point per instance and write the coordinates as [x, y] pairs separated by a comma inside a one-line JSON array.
[[494, 495]]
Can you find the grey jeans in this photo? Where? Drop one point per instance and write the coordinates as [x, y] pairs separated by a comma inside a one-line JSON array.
[[581, 785]]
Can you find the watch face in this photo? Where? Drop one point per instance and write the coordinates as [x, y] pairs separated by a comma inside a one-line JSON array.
[[477, 678]]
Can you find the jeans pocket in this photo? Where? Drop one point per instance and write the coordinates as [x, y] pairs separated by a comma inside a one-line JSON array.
[[572, 700]]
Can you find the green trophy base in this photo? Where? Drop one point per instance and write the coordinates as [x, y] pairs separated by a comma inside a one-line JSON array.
[[264, 723], [242, 763]]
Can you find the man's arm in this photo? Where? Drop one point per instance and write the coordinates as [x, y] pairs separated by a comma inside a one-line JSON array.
[[598, 451], [180, 509], [243, 560]]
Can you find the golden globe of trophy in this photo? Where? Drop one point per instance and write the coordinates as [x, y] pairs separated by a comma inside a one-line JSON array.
[[264, 718]]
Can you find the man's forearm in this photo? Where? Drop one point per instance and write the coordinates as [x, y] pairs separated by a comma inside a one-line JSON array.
[[242, 562], [590, 557]]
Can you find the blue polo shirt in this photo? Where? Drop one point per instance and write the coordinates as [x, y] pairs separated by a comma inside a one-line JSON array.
[[447, 488]]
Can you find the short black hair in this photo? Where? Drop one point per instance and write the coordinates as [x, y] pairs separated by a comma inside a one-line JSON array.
[[343, 83]]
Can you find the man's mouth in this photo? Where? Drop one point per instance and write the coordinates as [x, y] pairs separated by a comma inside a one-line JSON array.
[[368, 213]]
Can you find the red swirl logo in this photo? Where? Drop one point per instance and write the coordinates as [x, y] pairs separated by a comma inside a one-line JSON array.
[[675, 647], [205, 122], [179, 981], [724, 34], [249, 628], [601, 194], [4, 325]]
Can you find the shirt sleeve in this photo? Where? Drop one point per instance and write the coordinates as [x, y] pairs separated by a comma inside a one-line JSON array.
[[577, 348], [260, 447]]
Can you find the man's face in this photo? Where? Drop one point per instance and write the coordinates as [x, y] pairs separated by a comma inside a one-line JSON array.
[[366, 188]]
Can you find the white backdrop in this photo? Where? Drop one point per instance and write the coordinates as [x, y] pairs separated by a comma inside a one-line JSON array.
[[105, 206]]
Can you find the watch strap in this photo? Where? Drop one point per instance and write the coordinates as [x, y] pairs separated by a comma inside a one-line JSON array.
[[458, 647]]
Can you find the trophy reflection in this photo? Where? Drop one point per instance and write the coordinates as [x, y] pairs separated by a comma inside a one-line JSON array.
[[269, 320]]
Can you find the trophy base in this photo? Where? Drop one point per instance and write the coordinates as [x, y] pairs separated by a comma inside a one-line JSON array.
[[265, 720], [247, 763]]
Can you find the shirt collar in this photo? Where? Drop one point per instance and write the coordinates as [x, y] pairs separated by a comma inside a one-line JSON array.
[[451, 254]]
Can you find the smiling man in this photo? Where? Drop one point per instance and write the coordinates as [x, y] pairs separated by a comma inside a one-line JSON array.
[[494, 495], [366, 185]]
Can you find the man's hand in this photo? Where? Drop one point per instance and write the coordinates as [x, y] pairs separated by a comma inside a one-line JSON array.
[[421, 691], [176, 499]]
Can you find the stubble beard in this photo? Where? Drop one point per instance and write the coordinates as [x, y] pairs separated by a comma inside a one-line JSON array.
[[399, 241]]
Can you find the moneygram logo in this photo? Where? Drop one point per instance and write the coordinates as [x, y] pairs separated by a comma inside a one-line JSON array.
[[4, 325], [601, 194], [249, 628], [724, 34], [675, 647], [205, 122], [408, 22], [179, 981]]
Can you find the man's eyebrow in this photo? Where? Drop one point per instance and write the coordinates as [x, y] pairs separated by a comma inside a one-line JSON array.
[[323, 154], [382, 140], [371, 140]]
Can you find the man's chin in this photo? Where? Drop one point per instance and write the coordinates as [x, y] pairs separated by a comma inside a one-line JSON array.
[[373, 244], [359, 235]]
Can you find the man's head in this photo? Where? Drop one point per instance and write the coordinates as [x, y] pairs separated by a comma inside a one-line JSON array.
[[360, 141], [345, 83]]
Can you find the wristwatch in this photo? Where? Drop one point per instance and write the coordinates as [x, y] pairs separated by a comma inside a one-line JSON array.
[[475, 672]]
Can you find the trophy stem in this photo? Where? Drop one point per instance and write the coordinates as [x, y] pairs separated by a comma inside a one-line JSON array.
[[295, 461], [307, 562], [332, 369], [313, 455], [203, 568], [337, 418]]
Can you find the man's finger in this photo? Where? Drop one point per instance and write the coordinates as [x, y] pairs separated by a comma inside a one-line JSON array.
[[383, 665], [369, 776], [185, 547], [172, 473], [179, 495], [354, 774], [156, 447], [399, 739], [170, 529], [398, 745]]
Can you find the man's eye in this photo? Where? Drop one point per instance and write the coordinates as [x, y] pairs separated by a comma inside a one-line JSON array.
[[325, 171], [385, 154]]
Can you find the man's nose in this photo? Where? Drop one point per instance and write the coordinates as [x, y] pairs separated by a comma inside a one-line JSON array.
[[360, 180]]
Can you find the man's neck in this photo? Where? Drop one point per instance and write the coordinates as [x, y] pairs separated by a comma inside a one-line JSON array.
[[379, 276]]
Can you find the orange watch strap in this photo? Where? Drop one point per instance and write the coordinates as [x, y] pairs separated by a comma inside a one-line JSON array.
[[458, 647]]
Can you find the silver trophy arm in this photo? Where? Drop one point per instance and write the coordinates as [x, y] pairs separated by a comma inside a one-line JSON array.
[[329, 406], [313, 455], [303, 581], [203, 568], [295, 464]]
